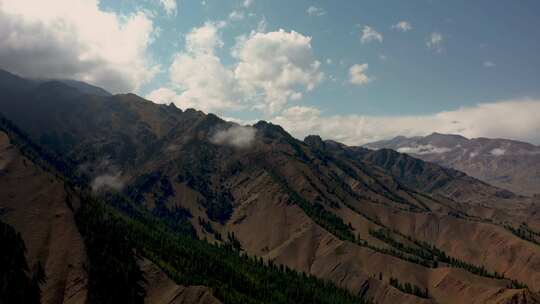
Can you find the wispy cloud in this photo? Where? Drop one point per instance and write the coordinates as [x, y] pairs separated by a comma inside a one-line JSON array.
[[369, 34], [435, 42], [489, 64], [170, 7], [236, 15], [402, 26], [315, 11]]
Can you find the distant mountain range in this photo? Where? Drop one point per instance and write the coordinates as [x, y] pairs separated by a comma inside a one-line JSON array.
[[121, 200], [504, 163]]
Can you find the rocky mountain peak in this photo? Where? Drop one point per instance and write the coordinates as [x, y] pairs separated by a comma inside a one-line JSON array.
[[315, 141]]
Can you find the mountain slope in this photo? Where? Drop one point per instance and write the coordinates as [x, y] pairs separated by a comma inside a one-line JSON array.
[[38, 206], [37, 202], [507, 164], [100, 236], [161, 289], [381, 224]]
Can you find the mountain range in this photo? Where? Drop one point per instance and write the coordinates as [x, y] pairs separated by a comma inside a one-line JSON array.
[[119, 199], [508, 164]]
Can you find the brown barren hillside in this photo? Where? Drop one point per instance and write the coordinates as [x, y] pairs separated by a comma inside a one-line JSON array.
[[161, 289], [36, 203], [379, 223]]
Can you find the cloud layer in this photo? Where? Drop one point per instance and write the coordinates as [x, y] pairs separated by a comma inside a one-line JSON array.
[[75, 39], [508, 119]]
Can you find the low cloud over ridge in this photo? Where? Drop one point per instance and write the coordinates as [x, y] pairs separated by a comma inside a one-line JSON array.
[[424, 149], [108, 181], [235, 136]]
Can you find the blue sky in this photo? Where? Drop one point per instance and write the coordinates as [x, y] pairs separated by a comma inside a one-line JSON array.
[[413, 79], [440, 70]]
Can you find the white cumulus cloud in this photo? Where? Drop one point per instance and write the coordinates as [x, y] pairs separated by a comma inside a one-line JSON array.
[[204, 39], [199, 79], [357, 74], [167, 95], [277, 66], [76, 39], [369, 34], [271, 69]]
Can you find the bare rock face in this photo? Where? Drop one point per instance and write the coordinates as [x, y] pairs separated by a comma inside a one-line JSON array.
[[162, 290], [36, 203], [508, 164]]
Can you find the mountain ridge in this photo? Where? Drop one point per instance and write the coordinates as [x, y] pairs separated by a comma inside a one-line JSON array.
[[355, 217], [509, 164]]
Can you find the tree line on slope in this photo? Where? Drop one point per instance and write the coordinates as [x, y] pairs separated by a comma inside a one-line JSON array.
[[435, 255], [316, 211], [233, 276], [428, 255], [409, 288], [113, 273], [524, 232]]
